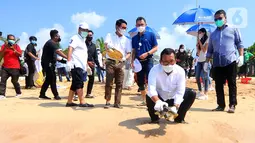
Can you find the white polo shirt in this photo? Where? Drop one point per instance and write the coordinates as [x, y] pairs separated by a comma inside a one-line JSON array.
[[167, 86], [79, 56], [122, 44]]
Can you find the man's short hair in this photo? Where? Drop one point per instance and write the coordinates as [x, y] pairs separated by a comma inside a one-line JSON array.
[[140, 18], [53, 33], [10, 35], [167, 51], [221, 11], [32, 38], [91, 32], [120, 21]]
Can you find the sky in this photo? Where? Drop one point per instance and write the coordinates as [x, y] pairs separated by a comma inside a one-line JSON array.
[[25, 18]]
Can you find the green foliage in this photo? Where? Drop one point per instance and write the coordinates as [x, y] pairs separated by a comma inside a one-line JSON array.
[[252, 49], [100, 44]]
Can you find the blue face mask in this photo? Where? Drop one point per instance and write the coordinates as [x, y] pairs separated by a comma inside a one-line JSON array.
[[219, 23], [11, 42], [33, 42], [84, 34]]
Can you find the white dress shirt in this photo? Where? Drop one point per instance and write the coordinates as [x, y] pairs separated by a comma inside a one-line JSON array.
[[122, 44], [80, 52], [167, 86]]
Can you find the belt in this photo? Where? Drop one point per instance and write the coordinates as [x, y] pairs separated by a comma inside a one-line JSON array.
[[143, 60]]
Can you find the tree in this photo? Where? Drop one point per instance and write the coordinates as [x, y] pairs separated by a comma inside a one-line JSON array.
[[100, 44], [252, 48]]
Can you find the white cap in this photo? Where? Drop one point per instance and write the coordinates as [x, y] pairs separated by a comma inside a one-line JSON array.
[[137, 66], [84, 25]]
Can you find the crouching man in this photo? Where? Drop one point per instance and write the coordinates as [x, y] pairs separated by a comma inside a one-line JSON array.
[[166, 87]]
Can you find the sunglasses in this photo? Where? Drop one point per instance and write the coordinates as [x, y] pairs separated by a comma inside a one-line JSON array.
[[220, 18]]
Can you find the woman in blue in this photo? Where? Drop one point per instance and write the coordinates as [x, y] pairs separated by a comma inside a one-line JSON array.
[[202, 46]]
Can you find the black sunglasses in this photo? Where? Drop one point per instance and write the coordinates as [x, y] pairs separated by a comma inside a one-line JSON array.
[[220, 18]]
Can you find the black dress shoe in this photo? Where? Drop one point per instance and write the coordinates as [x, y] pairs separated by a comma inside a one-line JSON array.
[[57, 98], [117, 106], [71, 104], [180, 121], [44, 97], [218, 109]]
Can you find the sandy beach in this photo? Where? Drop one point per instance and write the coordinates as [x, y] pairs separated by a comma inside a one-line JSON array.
[[29, 120]]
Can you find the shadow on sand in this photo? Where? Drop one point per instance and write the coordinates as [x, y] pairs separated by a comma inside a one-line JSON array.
[[134, 123]]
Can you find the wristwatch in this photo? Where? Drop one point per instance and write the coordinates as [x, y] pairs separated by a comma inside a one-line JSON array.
[[148, 53]]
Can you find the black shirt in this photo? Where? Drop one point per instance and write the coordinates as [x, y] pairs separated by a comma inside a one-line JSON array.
[[182, 56], [92, 53], [49, 52], [30, 48]]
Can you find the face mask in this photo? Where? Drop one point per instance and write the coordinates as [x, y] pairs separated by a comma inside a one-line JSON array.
[[89, 39], [189, 55], [181, 50], [11, 42], [122, 31], [200, 36], [84, 34], [33, 42], [168, 68], [219, 23], [141, 29]]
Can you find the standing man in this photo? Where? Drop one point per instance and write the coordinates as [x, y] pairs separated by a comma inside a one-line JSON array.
[[30, 57], [114, 67], [144, 45], [92, 60], [49, 58], [11, 66], [167, 87], [61, 68], [77, 62], [222, 47]]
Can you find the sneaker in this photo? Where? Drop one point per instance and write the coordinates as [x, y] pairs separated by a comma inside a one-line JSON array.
[[218, 109], [86, 105], [199, 94], [71, 104], [142, 104], [117, 106], [231, 109], [211, 89], [44, 97], [107, 105], [75, 98], [203, 97], [18, 95], [57, 98], [2, 97], [89, 96]]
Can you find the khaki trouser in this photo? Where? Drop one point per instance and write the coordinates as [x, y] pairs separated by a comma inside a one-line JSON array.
[[114, 71]]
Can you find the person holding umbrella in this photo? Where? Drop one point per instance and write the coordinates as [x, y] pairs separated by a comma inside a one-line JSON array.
[[144, 45], [223, 43]]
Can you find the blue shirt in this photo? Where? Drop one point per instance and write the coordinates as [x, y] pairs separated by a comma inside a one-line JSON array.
[[147, 42], [223, 44]]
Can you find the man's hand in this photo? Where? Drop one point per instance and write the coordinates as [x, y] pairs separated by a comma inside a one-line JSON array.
[[132, 65], [143, 56], [240, 61], [91, 64], [177, 106], [159, 106], [69, 66]]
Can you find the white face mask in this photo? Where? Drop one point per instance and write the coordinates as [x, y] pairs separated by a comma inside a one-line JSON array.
[[181, 50], [168, 68], [122, 31], [141, 29], [200, 36]]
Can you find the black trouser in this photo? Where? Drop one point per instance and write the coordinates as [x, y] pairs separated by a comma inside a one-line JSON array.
[[30, 78], [5, 74], [189, 98], [91, 81], [190, 72], [221, 75], [49, 80]]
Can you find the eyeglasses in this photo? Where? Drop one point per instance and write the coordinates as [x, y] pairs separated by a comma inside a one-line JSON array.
[[220, 18]]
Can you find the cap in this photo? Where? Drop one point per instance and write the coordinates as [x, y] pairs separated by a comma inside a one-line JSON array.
[[137, 66], [84, 25]]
